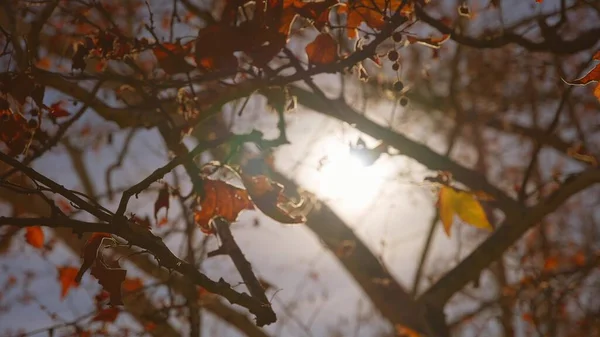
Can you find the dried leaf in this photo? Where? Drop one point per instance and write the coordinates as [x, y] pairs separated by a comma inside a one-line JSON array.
[[107, 315], [433, 42], [162, 201], [463, 204], [66, 277], [268, 196], [110, 278], [323, 50], [220, 199], [592, 76], [35, 236], [90, 253]]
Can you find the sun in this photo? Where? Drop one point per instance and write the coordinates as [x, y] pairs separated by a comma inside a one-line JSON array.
[[345, 179]]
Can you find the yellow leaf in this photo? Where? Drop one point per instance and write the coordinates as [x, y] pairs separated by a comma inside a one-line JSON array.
[[464, 204]]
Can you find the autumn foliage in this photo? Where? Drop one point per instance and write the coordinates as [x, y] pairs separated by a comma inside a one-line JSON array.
[[143, 144]]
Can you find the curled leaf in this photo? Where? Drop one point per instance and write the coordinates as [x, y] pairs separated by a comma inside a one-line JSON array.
[[110, 278], [220, 199], [35, 236], [463, 204], [90, 253], [268, 196], [433, 42]]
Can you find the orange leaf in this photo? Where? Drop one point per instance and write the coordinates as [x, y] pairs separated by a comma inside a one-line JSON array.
[[90, 253], [132, 284], [66, 276], [35, 236], [108, 315], [268, 196], [359, 14], [592, 76], [220, 199], [323, 50], [162, 201]]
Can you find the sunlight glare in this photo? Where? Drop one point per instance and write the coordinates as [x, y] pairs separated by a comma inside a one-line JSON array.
[[345, 179]]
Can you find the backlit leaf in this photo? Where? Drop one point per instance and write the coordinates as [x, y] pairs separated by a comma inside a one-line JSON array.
[[268, 196], [463, 204], [35, 236], [220, 199], [323, 50], [592, 76]]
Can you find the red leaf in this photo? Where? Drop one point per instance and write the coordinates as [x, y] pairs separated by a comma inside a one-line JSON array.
[[268, 196], [220, 199], [108, 315], [323, 50], [35, 236], [66, 276], [110, 278], [162, 201], [90, 253], [56, 110]]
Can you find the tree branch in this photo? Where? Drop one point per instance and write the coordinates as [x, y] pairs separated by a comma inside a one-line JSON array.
[[515, 225]]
